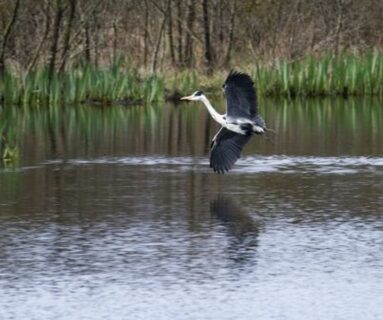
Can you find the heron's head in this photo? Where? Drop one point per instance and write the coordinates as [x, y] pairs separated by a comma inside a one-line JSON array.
[[195, 96]]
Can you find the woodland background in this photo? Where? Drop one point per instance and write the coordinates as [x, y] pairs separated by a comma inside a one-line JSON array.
[[151, 35]]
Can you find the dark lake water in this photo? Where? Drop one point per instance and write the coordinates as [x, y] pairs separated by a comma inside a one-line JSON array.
[[115, 214]]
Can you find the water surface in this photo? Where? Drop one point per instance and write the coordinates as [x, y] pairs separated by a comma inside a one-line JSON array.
[[115, 214]]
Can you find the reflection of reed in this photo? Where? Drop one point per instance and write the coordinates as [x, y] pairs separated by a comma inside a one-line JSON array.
[[241, 227], [187, 129]]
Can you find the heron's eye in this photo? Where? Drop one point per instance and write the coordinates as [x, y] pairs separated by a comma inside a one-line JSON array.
[[198, 93]]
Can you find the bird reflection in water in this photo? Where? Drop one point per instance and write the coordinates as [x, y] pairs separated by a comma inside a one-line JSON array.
[[241, 228]]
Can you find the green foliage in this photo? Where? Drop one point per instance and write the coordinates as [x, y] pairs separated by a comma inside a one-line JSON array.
[[346, 75], [80, 85]]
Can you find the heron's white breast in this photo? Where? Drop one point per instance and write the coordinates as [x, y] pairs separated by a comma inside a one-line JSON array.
[[235, 128]]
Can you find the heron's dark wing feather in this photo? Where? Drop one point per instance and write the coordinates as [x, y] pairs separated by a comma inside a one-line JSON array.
[[226, 149], [240, 96]]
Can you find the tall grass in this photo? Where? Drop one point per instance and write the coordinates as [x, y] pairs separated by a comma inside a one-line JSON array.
[[80, 85], [346, 75]]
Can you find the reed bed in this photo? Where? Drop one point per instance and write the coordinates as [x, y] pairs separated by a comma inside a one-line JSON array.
[[81, 85], [346, 75]]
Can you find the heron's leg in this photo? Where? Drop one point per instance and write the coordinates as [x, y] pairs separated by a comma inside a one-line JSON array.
[[215, 137]]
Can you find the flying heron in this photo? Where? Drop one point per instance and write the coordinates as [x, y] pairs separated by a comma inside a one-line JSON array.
[[239, 123]]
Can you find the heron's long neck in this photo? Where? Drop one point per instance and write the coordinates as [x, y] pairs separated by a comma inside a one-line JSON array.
[[216, 116]]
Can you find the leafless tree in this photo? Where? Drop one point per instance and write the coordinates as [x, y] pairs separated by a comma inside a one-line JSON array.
[[155, 34], [6, 35]]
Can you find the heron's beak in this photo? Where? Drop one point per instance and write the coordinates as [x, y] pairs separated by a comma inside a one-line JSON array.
[[187, 98]]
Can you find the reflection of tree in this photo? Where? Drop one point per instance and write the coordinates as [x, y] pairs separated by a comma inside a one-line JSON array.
[[241, 228]]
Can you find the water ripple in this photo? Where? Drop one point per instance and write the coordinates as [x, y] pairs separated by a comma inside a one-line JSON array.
[[249, 164]]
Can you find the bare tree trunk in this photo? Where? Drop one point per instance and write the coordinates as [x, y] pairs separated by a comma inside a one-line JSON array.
[[220, 34], [54, 46], [158, 43], [157, 48], [208, 54], [231, 32], [179, 33], [170, 33], [88, 27], [65, 53], [189, 40], [33, 61], [293, 31], [187, 27], [313, 30], [7, 32], [339, 26], [146, 33], [214, 31], [277, 28], [114, 49], [87, 54], [82, 33], [96, 40]]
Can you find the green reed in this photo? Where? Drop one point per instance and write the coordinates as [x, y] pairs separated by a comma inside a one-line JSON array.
[[346, 75], [80, 85]]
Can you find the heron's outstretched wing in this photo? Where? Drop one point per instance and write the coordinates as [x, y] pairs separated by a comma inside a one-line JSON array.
[[241, 98], [226, 149]]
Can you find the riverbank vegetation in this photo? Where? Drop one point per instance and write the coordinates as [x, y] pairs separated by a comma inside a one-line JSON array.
[[346, 75], [129, 51], [160, 128]]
